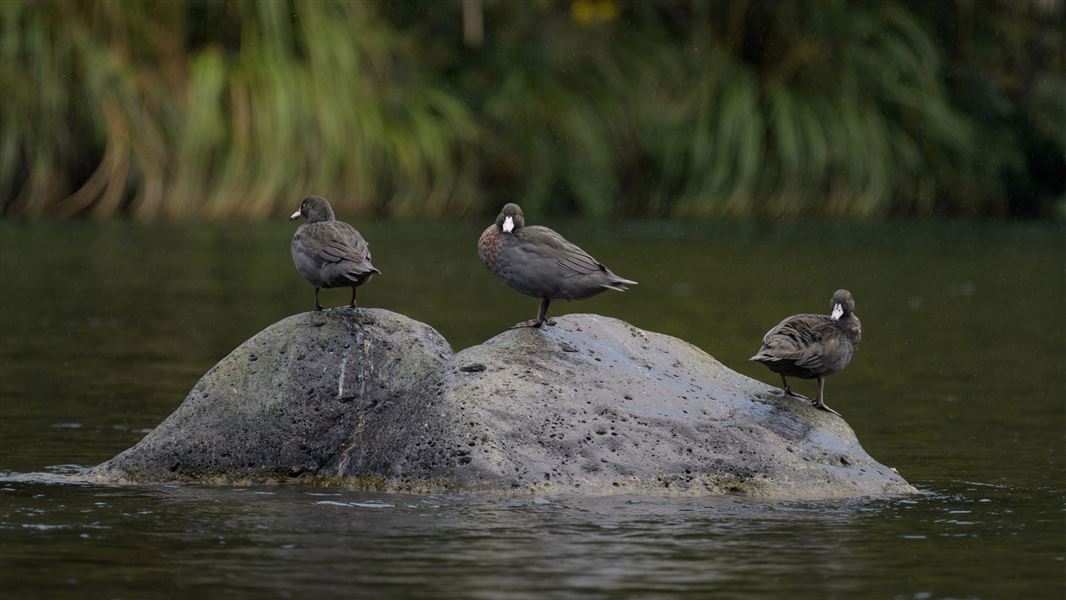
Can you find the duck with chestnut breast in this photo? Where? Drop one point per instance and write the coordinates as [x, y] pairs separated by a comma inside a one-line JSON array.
[[813, 346], [538, 262], [327, 252]]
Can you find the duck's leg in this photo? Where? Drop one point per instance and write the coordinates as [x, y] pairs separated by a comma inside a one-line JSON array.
[[819, 402], [542, 316], [318, 305], [789, 392], [352, 305]]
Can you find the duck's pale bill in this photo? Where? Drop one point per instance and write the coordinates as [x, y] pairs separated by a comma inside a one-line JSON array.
[[508, 224], [838, 311], [294, 216]]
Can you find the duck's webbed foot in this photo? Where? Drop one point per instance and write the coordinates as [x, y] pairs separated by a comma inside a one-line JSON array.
[[542, 317], [819, 402], [789, 392], [542, 314]]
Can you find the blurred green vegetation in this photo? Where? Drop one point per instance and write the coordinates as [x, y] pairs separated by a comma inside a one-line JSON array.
[[200, 109]]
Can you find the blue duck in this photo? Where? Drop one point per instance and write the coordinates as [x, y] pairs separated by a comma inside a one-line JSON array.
[[539, 262], [327, 252], [813, 346]]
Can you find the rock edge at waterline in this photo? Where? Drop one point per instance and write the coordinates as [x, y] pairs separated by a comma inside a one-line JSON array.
[[368, 398]]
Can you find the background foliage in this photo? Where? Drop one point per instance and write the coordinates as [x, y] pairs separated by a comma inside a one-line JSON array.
[[195, 109]]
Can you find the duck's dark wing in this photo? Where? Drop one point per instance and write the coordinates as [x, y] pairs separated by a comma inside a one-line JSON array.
[[550, 247], [800, 339], [331, 254], [340, 242]]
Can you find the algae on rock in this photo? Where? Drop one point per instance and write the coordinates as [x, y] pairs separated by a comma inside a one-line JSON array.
[[592, 405], [288, 401]]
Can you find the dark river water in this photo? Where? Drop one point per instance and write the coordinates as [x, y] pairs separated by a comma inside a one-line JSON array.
[[960, 385]]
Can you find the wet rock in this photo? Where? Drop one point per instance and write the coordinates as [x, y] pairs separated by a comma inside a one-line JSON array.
[[593, 405], [289, 401]]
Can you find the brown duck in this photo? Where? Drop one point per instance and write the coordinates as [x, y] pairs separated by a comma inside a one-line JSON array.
[[327, 252], [813, 346], [538, 262]]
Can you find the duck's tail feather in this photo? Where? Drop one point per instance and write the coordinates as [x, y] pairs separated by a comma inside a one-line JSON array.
[[619, 284]]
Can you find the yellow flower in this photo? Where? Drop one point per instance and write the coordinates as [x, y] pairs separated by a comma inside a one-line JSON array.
[[594, 11], [581, 11], [607, 10]]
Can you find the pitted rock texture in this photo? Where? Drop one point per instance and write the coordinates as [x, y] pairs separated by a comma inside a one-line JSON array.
[[595, 405], [592, 405], [288, 401]]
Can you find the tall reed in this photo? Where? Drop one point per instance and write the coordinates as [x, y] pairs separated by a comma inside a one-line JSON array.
[[113, 110], [183, 109]]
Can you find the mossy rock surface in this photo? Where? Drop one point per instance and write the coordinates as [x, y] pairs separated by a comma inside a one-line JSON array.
[[592, 405], [289, 401], [595, 405]]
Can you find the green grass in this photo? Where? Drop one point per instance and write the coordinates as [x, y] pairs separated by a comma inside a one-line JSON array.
[[219, 110]]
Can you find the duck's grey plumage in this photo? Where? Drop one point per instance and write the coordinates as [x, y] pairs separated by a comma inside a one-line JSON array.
[[329, 253], [812, 346], [538, 262]]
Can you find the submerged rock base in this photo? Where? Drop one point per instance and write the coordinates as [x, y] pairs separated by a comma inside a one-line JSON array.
[[368, 398]]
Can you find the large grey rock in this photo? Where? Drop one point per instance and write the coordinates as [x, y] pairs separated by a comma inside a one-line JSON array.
[[595, 405], [289, 400], [592, 405]]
